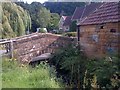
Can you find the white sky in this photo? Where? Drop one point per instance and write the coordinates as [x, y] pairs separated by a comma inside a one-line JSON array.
[[29, 1], [42, 1]]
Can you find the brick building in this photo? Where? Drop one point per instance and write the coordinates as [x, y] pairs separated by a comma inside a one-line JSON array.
[[100, 31]]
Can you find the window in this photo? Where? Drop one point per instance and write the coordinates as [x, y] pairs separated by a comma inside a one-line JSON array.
[[99, 27], [113, 30], [102, 27]]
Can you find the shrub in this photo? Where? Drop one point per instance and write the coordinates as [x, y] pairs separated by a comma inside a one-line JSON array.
[[82, 72], [106, 70], [70, 34], [43, 30], [71, 63]]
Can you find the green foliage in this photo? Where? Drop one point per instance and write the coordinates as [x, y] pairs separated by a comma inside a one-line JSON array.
[[73, 26], [65, 8], [43, 30], [54, 20], [41, 16], [70, 34], [1, 29], [22, 76], [83, 72], [44, 17], [69, 60], [7, 31], [21, 27], [106, 70], [15, 20]]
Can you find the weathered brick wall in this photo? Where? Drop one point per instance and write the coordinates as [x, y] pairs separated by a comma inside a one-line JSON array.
[[27, 47], [100, 42]]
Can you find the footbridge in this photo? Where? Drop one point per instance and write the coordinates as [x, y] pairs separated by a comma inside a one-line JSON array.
[[31, 47]]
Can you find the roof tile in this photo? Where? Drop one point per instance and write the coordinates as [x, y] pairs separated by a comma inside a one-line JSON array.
[[89, 9], [108, 12], [67, 21]]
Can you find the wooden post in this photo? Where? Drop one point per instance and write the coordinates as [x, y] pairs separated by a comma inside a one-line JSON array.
[[11, 48], [78, 33]]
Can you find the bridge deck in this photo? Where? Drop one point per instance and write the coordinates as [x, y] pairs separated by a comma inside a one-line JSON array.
[[42, 57]]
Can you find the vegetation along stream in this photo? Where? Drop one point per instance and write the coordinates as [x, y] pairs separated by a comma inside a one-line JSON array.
[[68, 68]]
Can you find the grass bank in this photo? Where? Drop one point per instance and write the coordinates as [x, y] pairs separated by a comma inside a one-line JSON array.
[[15, 75]]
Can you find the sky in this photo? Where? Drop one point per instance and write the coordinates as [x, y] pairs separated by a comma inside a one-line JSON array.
[[42, 1], [29, 1]]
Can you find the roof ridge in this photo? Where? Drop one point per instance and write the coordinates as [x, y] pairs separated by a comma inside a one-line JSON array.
[[96, 17], [91, 13]]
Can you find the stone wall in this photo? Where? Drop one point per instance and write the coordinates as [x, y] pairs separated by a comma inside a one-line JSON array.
[[100, 40], [28, 47]]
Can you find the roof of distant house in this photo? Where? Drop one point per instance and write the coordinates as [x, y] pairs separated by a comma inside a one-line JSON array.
[[108, 12], [81, 12], [64, 17], [67, 21], [78, 12]]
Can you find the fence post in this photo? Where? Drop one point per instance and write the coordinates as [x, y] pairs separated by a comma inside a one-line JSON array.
[[11, 49]]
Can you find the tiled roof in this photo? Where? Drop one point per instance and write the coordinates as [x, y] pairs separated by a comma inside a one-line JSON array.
[[108, 12], [81, 12], [67, 21], [64, 17], [78, 12]]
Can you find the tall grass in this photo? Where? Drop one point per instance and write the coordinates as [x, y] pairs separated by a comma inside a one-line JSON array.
[[15, 75]]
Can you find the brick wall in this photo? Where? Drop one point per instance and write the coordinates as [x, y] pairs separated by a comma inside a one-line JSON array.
[[100, 40], [27, 47]]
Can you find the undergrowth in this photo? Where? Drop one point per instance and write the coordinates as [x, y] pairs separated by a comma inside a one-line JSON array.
[[15, 75]]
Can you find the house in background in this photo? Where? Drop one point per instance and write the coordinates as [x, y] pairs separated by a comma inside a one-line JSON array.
[[100, 32], [61, 22], [67, 23], [82, 12], [79, 14], [64, 23]]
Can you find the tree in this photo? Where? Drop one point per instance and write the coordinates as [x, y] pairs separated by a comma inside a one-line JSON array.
[[73, 26], [14, 20], [21, 27], [67, 7], [44, 17], [54, 20]]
